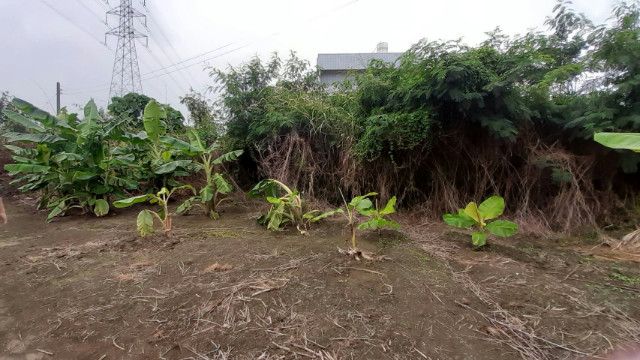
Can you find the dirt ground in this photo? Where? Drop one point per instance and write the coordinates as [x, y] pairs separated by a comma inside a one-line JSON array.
[[88, 288]]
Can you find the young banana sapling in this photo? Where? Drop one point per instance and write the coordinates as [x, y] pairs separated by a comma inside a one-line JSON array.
[[362, 205], [287, 208], [146, 217], [477, 216]]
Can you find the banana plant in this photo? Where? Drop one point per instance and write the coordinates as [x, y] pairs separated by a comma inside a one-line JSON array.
[[146, 217], [364, 206], [477, 216], [204, 159], [288, 208], [74, 163]]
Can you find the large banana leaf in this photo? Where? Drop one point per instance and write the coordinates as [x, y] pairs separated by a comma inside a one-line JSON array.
[[30, 124], [153, 112], [230, 156], [91, 119], [33, 138], [34, 112], [26, 168], [183, 146], [221, 183], [21, 151], [627, 141], [172, 166], [132, 200]]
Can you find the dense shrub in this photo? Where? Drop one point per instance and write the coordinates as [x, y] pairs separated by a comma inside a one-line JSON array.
[[450, 123]]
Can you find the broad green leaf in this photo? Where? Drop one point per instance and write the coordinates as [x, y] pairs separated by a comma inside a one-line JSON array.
[[357, 199], [33, 138], [26, 168], [44, 153], [275, 216], [479, 238], [63, 156], [221, 183], [628, 141], [34, 112], [56, 211], [132, 200], [83, 175], [166, 156], [178, 144], [185, 206], [153, 112], [389, 208], [392, 224], [273, 200], [472, 211], [230, 156], [502, 228], [195, 142], [21, 151], [491, 208], [30, 124], [458, 220], [101, 208], [376, 223], [99, 189], [145, 222], [371, 224], [181, 187], [267, 187], [172, 166], [364, 207], [206, 194], [327, 214], [90, 122]]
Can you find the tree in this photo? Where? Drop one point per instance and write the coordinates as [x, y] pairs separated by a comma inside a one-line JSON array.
[[132, 105], [202, 115]]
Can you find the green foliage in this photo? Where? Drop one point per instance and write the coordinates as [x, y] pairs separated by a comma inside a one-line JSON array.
[[202, 114], [208, 158], [7, 104], [377, 216], [130, 108], [286, 209], [72, 164], [626, 141], [476, 216], [364, 206], [145, 217]]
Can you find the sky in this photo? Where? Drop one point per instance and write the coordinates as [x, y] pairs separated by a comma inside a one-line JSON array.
[[49, 41]]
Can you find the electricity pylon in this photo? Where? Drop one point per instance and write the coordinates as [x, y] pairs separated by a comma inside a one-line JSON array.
[[126, 72]]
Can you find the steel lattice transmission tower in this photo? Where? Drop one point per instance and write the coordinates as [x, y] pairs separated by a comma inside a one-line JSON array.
[[126, 72]]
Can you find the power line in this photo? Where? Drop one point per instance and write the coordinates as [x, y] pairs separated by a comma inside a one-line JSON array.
[[155, 58], [70, 21], [173, 49], [238, 48], [91, 11], [147, 77]]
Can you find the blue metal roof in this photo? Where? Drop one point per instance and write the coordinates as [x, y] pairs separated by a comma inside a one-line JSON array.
[[355, 61]]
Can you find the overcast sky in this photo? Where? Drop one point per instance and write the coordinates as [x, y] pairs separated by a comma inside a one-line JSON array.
[[44, 41]]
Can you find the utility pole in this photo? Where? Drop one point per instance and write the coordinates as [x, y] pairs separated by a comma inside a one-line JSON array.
[[57, 98], [126, 72]]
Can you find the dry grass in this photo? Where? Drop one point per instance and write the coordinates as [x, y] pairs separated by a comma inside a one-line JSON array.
[[215, 267]]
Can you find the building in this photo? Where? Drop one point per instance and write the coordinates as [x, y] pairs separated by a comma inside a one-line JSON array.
[[334, 67]]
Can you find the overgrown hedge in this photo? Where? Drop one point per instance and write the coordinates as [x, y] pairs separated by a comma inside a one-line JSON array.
[[450, 123]]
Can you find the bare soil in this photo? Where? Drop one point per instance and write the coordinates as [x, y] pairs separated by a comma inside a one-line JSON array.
[[88, 288]]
